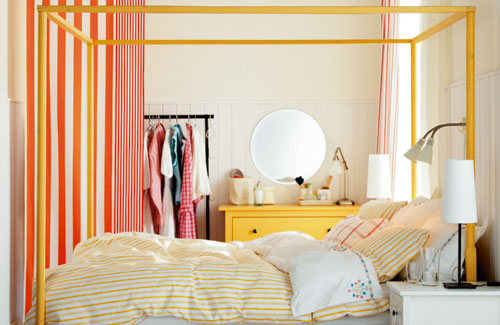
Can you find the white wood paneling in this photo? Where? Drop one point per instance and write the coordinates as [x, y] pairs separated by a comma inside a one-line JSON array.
[[487, 166], [350, 125], [12, 169]]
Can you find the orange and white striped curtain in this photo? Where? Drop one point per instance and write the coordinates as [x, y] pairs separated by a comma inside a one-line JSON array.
[[66, 130], [387, 126], [129, 127]]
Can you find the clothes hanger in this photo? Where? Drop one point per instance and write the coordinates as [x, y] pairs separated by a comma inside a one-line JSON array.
[[150, 127], [210, 133], [195, 120]]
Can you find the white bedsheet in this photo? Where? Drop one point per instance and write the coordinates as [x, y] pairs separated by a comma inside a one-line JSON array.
[[379, 319]]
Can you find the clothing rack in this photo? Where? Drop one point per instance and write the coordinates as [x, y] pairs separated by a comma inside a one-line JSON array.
[[206, 118]]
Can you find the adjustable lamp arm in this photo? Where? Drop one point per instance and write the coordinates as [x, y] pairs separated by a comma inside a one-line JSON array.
[[336, 156], [440, 126], [424, 153], [436, 128]]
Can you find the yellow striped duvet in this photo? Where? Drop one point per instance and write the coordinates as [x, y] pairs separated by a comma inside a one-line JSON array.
[[124, 278]]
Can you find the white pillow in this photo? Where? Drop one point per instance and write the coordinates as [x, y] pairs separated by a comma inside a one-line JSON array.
[[444, 237], [376, 209], [416, 213], [330, 276]]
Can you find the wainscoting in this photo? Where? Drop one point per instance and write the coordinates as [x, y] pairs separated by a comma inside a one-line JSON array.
[[350, 125], [487, 161], [12, 171]]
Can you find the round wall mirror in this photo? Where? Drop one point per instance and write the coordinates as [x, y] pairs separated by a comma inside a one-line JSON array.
[[286, 144]]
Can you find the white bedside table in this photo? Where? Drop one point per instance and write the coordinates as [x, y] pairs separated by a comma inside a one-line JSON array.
[[414, 304]]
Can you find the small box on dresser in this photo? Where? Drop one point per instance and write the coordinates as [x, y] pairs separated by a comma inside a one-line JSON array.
[[415, 304]]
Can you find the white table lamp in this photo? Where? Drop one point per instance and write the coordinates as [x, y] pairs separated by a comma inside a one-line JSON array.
[[379, 177], [459, 204], [337, 167]]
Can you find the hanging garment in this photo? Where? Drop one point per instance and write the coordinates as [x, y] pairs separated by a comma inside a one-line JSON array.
[[176, 147], [155, 151], [146, 204], [187, 220], [201, 183], [168, 226]]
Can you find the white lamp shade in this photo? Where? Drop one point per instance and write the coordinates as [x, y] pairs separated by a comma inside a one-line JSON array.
[[459, 193], [379, 177], [426, 154], [337, 167], [414, 152]]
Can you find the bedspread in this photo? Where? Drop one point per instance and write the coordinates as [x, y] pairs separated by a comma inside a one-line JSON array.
[[124, 278]]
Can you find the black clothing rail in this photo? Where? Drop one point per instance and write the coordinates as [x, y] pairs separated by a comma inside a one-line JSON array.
[[204, 117]]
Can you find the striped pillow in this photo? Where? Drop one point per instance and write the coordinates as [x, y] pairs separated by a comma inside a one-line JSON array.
[[380, 209], [352, 230], [391, 248]]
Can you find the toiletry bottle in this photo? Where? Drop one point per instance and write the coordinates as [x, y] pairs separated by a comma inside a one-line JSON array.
[[259, 195]]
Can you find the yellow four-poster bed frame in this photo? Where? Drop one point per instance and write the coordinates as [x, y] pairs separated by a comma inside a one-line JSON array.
[[52, 13]]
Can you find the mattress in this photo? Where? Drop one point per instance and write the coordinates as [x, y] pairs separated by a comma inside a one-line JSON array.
[[379, 319]]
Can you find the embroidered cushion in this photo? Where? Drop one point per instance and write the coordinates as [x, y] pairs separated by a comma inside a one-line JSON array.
[[380, 209], [391, 248], [352, 229]]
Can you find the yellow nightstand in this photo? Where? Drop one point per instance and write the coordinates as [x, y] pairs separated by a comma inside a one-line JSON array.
[[247, 222]]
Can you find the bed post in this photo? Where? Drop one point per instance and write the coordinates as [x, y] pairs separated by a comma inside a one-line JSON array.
[[90, 140], [41, 168], [413, 74], [470, 252]]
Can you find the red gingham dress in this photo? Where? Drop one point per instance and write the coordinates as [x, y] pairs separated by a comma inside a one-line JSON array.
[[187, 218]]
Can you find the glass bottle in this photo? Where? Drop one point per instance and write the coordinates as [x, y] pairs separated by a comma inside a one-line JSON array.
[[259, 195]]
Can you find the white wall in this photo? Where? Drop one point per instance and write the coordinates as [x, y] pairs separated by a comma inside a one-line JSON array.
[[336, 84], [487, 162], [487, 39], [262, 73], [350, 125], [449, 50], [12, 110]]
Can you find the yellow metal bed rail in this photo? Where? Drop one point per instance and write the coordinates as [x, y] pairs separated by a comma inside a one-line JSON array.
[[46, 13]]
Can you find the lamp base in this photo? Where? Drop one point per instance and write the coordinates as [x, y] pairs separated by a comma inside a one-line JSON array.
[[345, 201], [456, 285]]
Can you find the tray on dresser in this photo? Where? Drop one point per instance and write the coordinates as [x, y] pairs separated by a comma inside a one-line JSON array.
[[315, 202]]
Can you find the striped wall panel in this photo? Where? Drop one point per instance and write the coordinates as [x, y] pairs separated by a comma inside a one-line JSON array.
[[129, 129], [66, 136]]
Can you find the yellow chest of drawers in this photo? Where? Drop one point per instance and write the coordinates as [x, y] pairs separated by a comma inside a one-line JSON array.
[[246, 222]]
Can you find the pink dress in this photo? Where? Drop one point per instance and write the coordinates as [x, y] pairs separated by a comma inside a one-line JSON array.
[[155, 191], [147, 217], [187, 219]]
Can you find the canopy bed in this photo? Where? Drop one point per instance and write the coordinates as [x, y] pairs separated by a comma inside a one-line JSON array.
[[51, 13]]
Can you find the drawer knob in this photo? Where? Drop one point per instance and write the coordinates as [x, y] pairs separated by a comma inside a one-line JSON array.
[[254, 231]]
